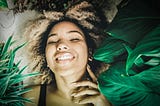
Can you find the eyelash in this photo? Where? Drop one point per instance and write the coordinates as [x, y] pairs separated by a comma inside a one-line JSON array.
[[52, 42], [72, 40], [75, 39]]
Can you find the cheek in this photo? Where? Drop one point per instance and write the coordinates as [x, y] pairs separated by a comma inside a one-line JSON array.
[[83, 52], [49, 55]]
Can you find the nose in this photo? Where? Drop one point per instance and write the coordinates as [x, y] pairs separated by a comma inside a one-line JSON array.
[[62, 46]]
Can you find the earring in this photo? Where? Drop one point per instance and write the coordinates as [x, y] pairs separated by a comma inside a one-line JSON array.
[[90, 58], [90, 55], [47, 65]]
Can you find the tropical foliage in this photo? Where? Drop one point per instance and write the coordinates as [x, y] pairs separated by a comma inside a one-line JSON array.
[[11, 77], [3, 3]]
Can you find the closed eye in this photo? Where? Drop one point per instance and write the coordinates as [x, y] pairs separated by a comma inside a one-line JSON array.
[[53, 42], [75, 39]]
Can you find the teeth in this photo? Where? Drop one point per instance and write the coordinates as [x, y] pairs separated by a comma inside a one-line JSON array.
[[65, 57]]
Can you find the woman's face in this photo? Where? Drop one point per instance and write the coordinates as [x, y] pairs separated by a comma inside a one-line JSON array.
[[66, 49]]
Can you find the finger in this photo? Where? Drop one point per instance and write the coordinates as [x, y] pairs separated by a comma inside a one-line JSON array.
[[77, 99], [85, 83], [85, 92], [91, 74], [87, 99], [96, 100]]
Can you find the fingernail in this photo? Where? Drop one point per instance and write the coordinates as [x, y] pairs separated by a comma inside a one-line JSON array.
[[73, 94], [88, 66], [76, 101], [74, 83]]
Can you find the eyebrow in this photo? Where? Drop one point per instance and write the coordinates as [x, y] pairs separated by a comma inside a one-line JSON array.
[[74, 31], [50, 35]]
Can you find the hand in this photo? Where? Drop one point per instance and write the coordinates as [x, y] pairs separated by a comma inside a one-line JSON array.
[[87, 92]]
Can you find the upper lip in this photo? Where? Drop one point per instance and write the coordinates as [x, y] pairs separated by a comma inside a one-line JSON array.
[[64, 56]]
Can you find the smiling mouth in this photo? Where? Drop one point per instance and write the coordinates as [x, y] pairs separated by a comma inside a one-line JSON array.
[[64, 57]]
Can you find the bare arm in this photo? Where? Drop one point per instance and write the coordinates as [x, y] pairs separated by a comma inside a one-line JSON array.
[[33, 95]]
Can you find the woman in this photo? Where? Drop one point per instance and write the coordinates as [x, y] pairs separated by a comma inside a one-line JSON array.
[[65, 49]]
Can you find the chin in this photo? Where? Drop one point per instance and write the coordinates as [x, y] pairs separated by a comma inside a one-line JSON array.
[[65, 73]]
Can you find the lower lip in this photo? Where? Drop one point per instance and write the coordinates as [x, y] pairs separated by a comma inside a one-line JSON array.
[[64, 62]]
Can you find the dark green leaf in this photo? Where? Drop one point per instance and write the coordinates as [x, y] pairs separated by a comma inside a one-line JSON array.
[[19, 78], [3, 3], [6, 47], [142, 89], [20, 71], [11, 62], [18, 92], [14, 98], [3, 85]]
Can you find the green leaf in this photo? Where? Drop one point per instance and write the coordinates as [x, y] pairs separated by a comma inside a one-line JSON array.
[[19, 77], [17, 48], [18, 91], [6, 47], [11, 99], [11, 77], [4, 84], [4, 62], [16, 104], [139, 90], [151, 78], [109, 51], [3, 3], [20, 71], [11, 62], [148, 47]]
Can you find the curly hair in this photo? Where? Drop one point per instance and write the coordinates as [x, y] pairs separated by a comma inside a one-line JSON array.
[[82, 14]]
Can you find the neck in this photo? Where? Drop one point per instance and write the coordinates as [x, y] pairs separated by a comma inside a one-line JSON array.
[[64, 83]]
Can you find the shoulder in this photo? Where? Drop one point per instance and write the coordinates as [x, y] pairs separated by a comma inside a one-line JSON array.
[[33, 95]]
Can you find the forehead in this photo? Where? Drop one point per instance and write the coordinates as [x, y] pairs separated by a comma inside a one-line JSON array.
[[65, 25]]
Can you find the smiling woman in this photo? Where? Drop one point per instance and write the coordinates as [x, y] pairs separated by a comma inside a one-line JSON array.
[[63, 44], [67, 48]]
